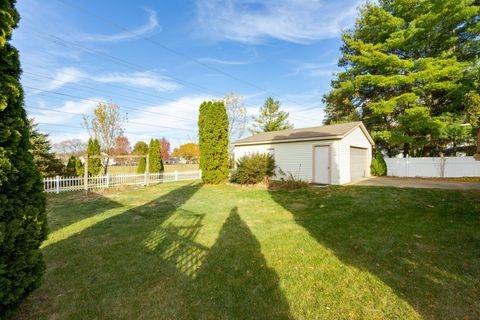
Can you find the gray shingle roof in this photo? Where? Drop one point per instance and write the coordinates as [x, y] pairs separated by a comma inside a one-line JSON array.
[[334, 131]]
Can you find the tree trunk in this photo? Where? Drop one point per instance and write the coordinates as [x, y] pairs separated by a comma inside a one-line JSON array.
[[105, 168], [478, 140], [405, 149]]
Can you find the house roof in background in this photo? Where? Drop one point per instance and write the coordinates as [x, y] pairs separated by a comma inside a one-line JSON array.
[[327, 132]]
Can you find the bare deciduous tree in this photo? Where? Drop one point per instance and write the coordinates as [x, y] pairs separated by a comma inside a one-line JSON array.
[[237, 117], [106, 125], [72, 147]]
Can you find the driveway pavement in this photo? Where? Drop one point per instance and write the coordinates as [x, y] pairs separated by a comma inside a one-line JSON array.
[[416, 183]]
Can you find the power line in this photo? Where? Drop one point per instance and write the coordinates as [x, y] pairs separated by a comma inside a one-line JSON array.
[[98, 101], [103, 91], [129, 64], [65, 43], [133, 122], [171, 50]]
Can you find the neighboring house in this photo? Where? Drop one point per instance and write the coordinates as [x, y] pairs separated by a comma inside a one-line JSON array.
[[331, 154]]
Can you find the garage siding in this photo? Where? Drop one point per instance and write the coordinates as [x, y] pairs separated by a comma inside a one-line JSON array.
[[295, 157], [355, 139]]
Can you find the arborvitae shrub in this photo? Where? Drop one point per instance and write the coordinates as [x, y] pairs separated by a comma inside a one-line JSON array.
[[141, 148], [79, 169], [213, 141], [378, 166], [23, 221], [71, 168], [253, 169], [155, 163], [94, 164]]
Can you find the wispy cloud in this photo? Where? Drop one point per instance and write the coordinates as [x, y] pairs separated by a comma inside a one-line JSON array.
[[180, 115], [252, 21], [221, 61], [145, 79], [65, 114], [65, 76], [313, 69], [150, 26]]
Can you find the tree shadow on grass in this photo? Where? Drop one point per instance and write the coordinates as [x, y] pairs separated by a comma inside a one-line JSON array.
[[234, 281], [145, 263], [81, 206], [423, 244], [95, 269]]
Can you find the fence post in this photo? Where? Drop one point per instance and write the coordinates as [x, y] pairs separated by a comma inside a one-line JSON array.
[[85, 174], [199, 173], [147, 169], [407, 164], [57, 184], [108, 180], [176, 175]]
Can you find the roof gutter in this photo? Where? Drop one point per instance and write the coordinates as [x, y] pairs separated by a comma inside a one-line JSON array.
[[286, 140]]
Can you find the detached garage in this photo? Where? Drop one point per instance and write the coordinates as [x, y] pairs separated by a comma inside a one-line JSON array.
[[332, 154]]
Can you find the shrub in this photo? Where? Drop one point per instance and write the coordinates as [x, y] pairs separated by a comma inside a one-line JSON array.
[[213, 141], [289, 182], [23, 221], [141, 148], [253, 169], [70, 169], [94, 164], [378, 166], [155, 163], [79, 169]]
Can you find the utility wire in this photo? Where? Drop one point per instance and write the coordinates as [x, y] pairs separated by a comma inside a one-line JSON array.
[[132, 122], [63, 42], [112, 93], [169, 49], [99, 101]]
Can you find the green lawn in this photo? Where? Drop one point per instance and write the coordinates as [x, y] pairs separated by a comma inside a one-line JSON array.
[[168, 168], [188, 251]]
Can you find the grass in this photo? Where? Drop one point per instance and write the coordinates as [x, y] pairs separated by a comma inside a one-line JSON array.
[[189, 251], [168, 168], [459, 179]]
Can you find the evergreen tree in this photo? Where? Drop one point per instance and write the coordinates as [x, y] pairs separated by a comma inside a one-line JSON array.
[[213, 141], [23, 224], [271, 118], [141, 148], [406, 57], [43, 158], [71, 168], [94, 164], [79, 168], [155, 163]]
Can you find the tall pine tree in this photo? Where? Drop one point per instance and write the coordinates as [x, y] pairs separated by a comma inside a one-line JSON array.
[[271, 118], [22, 202], [43, 158], [407, 59], [213, 141]]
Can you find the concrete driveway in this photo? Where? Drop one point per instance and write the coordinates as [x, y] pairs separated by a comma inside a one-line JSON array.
[[416, 183]]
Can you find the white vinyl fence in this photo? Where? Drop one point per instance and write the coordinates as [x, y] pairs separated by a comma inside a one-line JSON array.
[[61, 184], [438, 167]]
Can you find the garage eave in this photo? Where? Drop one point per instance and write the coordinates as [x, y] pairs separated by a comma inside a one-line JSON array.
[[287, 140]]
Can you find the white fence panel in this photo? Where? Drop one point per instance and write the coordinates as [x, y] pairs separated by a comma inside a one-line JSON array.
[[434, 167], [63, 184]]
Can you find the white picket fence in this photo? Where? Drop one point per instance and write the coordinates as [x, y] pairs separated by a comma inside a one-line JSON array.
[[434, 167], [62, 184]]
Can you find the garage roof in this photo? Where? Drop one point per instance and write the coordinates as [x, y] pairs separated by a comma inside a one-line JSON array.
[[328, 132]]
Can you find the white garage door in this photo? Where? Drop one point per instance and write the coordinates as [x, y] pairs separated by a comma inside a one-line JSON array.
[[358, 163]]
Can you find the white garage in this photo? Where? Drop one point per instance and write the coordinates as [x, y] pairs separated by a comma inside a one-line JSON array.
[[331, 154]]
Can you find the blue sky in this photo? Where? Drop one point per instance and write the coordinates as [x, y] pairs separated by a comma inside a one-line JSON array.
[[158, 60]]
